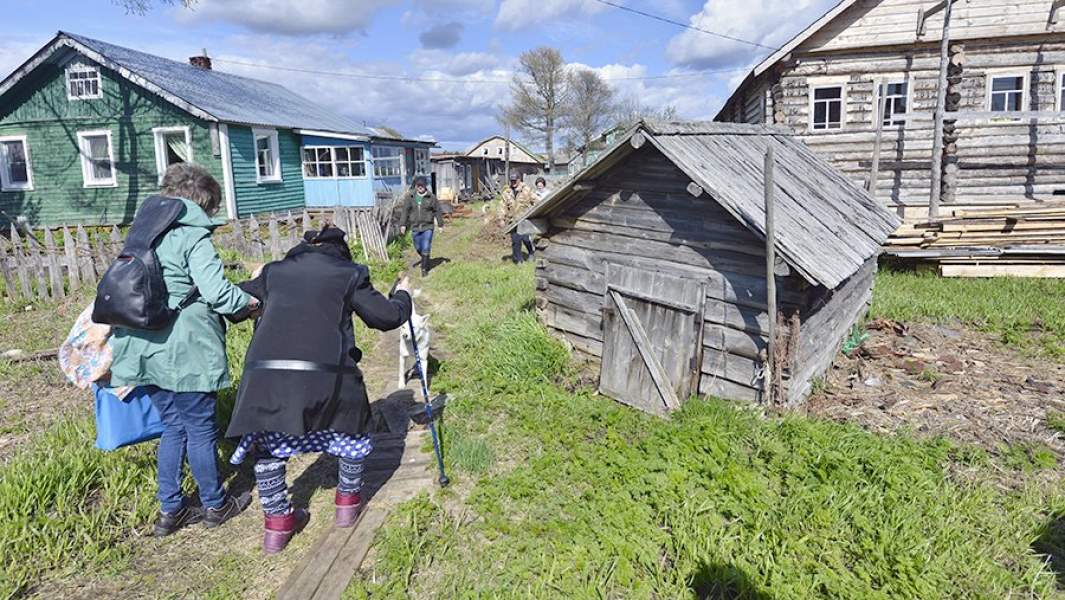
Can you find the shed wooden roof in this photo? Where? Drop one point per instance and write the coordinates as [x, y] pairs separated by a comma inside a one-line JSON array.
[[826, 227]]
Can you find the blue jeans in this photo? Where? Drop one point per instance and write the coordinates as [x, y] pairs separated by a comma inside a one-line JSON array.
[[423, 241], [189, 426]]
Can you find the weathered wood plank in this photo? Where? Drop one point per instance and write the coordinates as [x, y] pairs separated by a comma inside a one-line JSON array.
[[71, 253]]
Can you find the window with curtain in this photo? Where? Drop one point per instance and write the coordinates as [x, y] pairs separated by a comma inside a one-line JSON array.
[[387, 161], [173, 145], [97, 158], [15, 172], [267, 158]]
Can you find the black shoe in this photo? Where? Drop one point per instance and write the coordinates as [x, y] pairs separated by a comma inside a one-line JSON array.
[[233, 506], [169, 523], [425, 265]]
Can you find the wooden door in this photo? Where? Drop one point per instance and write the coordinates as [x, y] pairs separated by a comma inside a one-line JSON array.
[[652, 325]]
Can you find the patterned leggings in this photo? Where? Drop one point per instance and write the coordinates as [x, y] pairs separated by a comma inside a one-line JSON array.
[[273, 490]]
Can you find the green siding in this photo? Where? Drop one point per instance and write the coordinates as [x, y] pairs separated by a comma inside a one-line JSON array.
[[253, 197], [39, 109]]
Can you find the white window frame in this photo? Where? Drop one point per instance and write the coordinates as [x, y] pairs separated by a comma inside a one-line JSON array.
[[81, 66], [883, 82], [86, 166], [160, 133], [816, 83], [421, 159], [401, 156], [991, 76], [1059, 80], [5, 175], [334, 162], [275, 154]]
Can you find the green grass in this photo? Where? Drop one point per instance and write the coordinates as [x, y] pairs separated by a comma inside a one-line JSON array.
[[66, 505], [587, 499], [1027, 313]]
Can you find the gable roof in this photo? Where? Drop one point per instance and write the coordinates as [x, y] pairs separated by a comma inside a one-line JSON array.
[[473, 149], [826, 227], [208, 94]]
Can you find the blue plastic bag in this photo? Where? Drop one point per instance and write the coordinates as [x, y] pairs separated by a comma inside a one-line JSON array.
[[121, 422]]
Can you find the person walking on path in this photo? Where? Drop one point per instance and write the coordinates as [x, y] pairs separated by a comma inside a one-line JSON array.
[[420, 214], [517, 199], [302, 390], [184, 364]]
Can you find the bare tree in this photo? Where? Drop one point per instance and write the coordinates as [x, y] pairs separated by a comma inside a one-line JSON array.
[[142, 7], [629, 109], [539, 93], [588, 111]]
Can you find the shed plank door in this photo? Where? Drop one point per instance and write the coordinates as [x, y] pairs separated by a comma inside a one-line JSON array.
[[652, 338]]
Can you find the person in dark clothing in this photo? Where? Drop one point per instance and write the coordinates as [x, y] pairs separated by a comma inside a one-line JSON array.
[[302, 390], [420, 214]]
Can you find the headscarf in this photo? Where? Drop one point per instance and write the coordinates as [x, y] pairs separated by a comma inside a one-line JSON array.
[[330, 240]]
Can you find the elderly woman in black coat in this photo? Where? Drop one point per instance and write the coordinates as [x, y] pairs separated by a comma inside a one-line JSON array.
[[302, 390]]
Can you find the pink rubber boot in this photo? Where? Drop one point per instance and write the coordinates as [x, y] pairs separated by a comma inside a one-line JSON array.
[[349, 506], [279, 529]]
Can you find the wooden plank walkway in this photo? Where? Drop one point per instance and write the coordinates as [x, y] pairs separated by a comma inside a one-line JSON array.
[[397, 471]]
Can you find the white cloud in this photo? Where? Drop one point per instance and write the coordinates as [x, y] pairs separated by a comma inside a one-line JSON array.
[[290, 17], [768, 22], [520, 14], [462, 63]]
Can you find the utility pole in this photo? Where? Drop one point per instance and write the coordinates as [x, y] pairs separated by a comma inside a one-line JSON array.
[[770, 273], [941, 106], [874, 167]]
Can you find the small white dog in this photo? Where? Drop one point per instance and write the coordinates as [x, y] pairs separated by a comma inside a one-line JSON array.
[[406, 349]]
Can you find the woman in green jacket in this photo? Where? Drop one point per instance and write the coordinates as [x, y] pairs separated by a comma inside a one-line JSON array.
[[184, 365]]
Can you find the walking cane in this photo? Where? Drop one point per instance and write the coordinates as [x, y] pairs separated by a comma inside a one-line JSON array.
[[428, 404]]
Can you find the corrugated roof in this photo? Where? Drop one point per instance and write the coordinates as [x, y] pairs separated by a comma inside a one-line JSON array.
[[826, 227], [223, 96]]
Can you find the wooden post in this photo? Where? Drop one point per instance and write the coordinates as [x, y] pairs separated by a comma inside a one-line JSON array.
[[770, 268], [257, 245], [9, 281], [55, 267], [85, 262], [941, 104], [21, 264], [275, 239], [874, 168], [71, 252], [506, 156], [37, 257]]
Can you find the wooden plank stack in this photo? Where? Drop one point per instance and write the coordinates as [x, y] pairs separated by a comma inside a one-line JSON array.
[[1012, 240]]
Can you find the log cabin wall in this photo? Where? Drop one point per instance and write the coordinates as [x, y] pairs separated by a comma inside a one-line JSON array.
[[988, 160], [640, 214]]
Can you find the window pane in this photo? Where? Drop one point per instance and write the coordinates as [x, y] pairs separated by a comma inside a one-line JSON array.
[[820, 110], [828, 93], [97, 147], [309, 169], [14, 152], [101, 169], [341, 154], [262, 143], [19, 173], [1015, 101], [309, 155], [355, 152], [325, 170], [358, 169], [343, 169], [998, 102], [1003, 84], [833, 112]]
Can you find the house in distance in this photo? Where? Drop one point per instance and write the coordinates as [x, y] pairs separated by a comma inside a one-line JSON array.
[[87, 128], [654, 262]]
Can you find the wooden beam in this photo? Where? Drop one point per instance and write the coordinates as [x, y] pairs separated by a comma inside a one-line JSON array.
[[941, 107], [695, 189], [874, 168], [770, 271]]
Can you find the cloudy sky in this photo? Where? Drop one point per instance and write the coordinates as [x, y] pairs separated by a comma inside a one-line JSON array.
[[436, 67]]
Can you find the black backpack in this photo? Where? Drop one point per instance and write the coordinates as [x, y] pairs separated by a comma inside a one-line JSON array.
[[132, 293]]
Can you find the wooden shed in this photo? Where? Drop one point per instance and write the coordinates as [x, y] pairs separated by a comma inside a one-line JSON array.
[[654, 263]]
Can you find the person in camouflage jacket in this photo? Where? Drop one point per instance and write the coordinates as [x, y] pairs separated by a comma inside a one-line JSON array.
[[517, 199]]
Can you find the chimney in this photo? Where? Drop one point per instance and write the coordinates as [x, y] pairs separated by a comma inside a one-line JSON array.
[[201, 62]]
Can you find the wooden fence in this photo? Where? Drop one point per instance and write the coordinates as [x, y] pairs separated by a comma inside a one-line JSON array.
[[47, 263]]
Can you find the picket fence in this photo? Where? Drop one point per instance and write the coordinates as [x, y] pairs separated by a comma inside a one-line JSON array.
[[70, 257]]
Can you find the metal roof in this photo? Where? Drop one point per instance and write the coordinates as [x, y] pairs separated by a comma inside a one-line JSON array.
[[826, 227], [208, 94]]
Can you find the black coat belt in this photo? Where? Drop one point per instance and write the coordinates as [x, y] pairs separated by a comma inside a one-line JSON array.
[[301, 365]]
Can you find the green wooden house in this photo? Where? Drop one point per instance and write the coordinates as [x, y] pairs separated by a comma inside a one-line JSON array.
[[87, 129]]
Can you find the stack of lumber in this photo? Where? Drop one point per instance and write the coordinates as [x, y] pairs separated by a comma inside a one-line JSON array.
[[1016, 240]]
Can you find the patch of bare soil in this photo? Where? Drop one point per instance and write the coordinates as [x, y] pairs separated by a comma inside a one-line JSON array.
[[937, 380]]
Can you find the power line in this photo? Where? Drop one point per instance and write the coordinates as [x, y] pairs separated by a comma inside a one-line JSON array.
[[684, 25], [446, 80]]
